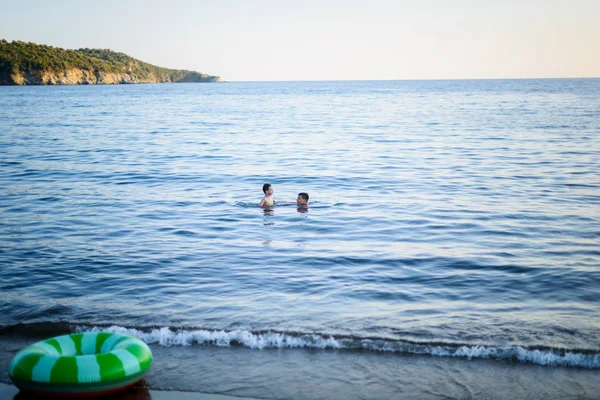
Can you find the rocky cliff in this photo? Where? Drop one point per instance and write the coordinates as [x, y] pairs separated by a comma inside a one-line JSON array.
[[31, 64], [76, 76]]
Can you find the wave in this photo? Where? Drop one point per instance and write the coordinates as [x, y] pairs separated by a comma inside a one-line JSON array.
[[165, 336], [282, 340]]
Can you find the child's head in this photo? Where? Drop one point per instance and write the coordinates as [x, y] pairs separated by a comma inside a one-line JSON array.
[[302, 199], [267, 189]]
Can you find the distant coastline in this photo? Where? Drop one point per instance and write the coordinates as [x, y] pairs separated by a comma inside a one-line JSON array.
[[26, 63]]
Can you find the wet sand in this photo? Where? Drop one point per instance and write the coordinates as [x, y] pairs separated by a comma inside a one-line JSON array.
[[227, 373], [10, 392]]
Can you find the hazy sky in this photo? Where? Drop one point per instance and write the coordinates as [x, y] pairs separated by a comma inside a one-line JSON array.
[[323, 40]]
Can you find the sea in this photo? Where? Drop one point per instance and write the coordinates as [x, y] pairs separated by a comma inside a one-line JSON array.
[[450, 248]]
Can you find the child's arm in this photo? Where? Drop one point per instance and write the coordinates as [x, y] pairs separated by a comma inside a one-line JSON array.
[[262, 202]]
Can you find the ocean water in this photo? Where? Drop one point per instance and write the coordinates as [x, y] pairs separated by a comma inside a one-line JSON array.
[[448, 220]]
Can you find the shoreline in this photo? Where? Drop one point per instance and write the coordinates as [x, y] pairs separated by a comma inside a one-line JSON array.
[[8, 392], [234, 372]]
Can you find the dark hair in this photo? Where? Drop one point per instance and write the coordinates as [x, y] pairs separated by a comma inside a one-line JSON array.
[[303, 195], [266, 187]]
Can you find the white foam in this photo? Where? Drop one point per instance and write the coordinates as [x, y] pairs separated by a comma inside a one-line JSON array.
[[167, 337]]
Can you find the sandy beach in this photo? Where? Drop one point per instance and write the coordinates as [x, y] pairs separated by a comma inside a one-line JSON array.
[[11, 392]]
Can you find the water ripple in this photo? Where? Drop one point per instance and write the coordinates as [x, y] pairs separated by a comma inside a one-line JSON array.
[[438, 210]]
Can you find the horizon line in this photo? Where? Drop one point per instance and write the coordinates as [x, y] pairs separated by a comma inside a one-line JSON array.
[[409, 79]]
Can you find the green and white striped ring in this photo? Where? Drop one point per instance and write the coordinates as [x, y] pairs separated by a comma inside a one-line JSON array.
[[81, 365]]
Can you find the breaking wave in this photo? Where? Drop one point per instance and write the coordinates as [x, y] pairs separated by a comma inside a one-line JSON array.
[[282, 340]]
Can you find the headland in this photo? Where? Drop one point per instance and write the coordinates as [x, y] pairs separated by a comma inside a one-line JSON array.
[[25, 63]]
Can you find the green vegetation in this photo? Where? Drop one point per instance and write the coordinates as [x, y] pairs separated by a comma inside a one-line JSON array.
[[140, 68], [22, 58], [25, 57]]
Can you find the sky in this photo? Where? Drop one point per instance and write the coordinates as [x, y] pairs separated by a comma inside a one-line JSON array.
[[280, 40]]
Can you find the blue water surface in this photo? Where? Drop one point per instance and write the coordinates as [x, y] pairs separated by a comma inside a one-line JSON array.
[[464, 212]]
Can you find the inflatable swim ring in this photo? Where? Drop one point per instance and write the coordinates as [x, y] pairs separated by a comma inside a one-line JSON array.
[[80, 365]]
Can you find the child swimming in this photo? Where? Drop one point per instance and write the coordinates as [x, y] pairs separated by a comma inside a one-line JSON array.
[[267, 200]]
